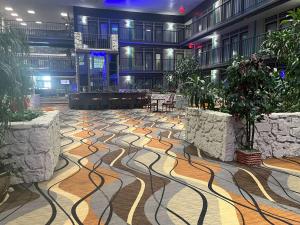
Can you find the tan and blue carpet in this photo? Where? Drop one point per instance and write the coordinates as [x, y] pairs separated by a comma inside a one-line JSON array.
[[133, 167]]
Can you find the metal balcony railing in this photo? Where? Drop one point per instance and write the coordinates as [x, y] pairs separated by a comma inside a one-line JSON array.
[[151, 36], [51, 63], [134, 65], [225, 53], [47, 30], [221, 14], [96, 41]]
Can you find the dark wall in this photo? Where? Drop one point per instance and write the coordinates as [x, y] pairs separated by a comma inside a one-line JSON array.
[[202, 7], [115, 14]]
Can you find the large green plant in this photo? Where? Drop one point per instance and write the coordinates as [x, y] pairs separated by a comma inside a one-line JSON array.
[[249, 94], [15, 81], [184, 68], [284, 45], [200, 91]]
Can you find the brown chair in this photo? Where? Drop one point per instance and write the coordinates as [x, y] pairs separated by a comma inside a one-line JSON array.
[[150, 104], [170, 103]]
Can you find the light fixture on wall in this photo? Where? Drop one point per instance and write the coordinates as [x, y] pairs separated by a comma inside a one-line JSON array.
[[84, 20], [128, 23], [170, 26], [64, 14]]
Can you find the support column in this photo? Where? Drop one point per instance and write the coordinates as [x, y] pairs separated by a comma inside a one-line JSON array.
[[107, 71], [118, 71], [77, 71], [89, 72]]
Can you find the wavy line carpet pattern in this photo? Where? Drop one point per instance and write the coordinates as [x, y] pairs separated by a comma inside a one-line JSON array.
[[134, 167]]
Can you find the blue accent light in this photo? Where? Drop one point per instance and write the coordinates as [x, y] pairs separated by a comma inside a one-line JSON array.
[[282, 74], [97, 53]]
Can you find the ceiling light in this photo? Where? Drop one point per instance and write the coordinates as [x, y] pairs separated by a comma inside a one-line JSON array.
[[14, 14], [38, 22], [23, 24], [31, 11], [7, 8], [19, 19], [64, 14]]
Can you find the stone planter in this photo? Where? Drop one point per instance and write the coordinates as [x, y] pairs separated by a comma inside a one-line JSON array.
[[34, 146], [248, 158], [4, 185], [214, 133]]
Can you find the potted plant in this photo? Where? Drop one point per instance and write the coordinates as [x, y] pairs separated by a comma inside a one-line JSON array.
[[249, 94]]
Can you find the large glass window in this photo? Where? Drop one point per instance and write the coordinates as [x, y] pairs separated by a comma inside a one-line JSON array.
[[148, 33], [158, 34], [139, 61], [139, 32], [114, 28], [148, 61], [157, 61]]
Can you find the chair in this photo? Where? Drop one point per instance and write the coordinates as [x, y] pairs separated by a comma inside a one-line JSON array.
[[150, 104], [170, 103]]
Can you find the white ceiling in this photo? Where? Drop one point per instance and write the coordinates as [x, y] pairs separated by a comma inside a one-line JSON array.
[[49, 10]]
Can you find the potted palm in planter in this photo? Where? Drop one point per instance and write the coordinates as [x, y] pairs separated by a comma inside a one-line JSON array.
[[249, 94]]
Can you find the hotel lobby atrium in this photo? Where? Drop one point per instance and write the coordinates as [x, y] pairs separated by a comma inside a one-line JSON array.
[[150, 112]]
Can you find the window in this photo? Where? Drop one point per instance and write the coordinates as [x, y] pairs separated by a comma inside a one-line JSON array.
[[157, 61], [114, 28], [148, 33], [148, 60]]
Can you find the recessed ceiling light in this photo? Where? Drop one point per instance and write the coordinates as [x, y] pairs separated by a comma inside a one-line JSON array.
[[23, 24], [64, 14], [14, 14], [7, 8], [31, 11], [38, 22], [19, 19]]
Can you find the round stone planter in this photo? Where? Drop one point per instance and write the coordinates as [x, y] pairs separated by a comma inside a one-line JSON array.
[[248, 158], [4, 185]]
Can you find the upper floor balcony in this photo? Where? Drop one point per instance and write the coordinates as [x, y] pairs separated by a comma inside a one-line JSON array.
[[93, 41], [129, 65], [223, 55], [58, 65], [222, 14], [57, 34], [151, 35]]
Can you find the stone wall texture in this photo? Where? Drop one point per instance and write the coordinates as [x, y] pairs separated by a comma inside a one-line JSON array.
[[214, 133], [34, 147], [211, 132], [278, 135]]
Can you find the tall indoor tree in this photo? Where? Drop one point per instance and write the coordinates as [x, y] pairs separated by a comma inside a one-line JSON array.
[[15, 79], [284, 45]]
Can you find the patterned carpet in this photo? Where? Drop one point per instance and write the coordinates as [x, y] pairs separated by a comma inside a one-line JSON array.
[[133, 167]]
